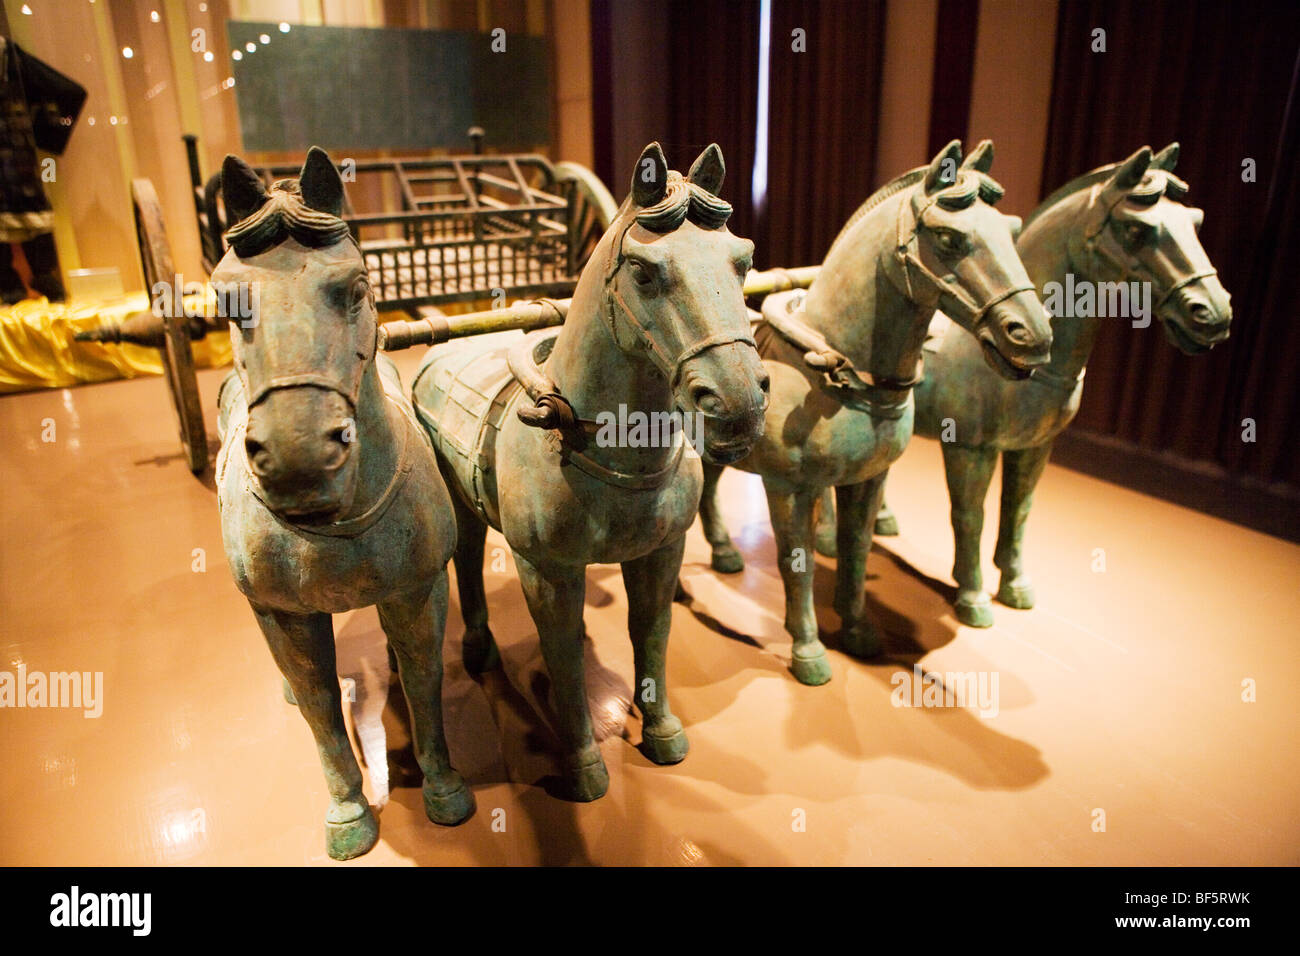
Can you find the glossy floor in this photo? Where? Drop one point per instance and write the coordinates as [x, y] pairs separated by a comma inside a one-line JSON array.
[[1119, 699]]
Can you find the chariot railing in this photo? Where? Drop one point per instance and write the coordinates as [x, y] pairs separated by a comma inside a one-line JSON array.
[[462, 229]]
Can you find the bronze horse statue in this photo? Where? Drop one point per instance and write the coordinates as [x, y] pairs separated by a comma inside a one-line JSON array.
[[329, 492], [1120, 224], [929, 239], [657, 325]]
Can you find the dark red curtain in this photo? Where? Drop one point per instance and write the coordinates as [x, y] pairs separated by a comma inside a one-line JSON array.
[[1220, 78], [824, 112], [823, 108], [713, 92]]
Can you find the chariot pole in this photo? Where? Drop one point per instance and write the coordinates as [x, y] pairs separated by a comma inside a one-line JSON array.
[[544, 313]]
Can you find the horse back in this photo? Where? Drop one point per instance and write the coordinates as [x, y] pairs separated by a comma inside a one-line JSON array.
[[461, 396]]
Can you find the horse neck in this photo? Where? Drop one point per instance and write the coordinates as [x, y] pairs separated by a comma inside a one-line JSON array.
[[378, 424], [595, 375], [859, 308], [1044, 248]]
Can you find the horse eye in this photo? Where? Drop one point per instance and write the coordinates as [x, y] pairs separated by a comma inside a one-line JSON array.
[[744, 265], [1135, 233], [640, 274], [359, 293], [948, 241]]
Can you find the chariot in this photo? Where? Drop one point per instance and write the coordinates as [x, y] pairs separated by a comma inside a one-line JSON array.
[[464, 229]]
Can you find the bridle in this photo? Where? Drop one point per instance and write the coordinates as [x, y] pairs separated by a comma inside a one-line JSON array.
[[670, 367], [1101, 260], [551, 409], [347, 386], [911, 272]]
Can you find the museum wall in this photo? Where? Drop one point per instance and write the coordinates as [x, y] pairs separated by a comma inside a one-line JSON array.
[[140, 103]]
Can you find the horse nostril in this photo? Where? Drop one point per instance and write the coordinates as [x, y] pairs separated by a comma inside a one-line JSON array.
[[1016, 331], [707, 400], [1202, 313], [256, 454]]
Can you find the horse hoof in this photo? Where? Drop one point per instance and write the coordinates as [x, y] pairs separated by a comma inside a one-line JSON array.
[[665, 742], [479, 652], [861, 639], [449, 807], [975, 610], [288, 693], [727, 560], [1019, 596], [811, 666], [826, 544], [347, 841], [887, 526], [586, 783]]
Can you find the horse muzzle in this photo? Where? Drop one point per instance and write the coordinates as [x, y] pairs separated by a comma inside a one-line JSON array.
[[1016, 336], [725, 390], [1197, 316], [299, 447]]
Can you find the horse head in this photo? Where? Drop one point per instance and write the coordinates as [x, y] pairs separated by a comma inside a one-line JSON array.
[[673, 293], [1135, 228], [952, 240], [303, 355]]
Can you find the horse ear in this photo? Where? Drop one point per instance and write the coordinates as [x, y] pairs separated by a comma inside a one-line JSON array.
[[1166, 159], [708, 170], [650, 178], [1132, 170], [943, 168], [321, 184], [242, 190], [980, 158]]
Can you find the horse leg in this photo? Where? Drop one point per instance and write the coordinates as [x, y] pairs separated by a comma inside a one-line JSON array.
[[827, 545], [414, 624], [969, 472], [792, 524], [886, 520], [303, 648], [649, 581], [478, 649], [726, 559], [1020, 473], [857, 505], [555, 597]]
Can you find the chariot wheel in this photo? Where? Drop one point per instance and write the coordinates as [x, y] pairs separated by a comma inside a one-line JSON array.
[[177, 356], [591, 209]]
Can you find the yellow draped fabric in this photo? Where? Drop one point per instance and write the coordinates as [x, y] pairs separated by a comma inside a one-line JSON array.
[[37, 349]]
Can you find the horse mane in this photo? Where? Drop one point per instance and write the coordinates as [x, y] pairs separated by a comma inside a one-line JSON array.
[[684, 200], [1145, 193], [285, 215], [970, 185]]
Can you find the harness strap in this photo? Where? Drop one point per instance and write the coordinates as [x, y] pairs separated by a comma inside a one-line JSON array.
[[567, 432], [838, 370], [907, 260]]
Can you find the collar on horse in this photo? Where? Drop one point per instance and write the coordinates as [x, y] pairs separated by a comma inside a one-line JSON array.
[[850, 386], [568, 433]]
